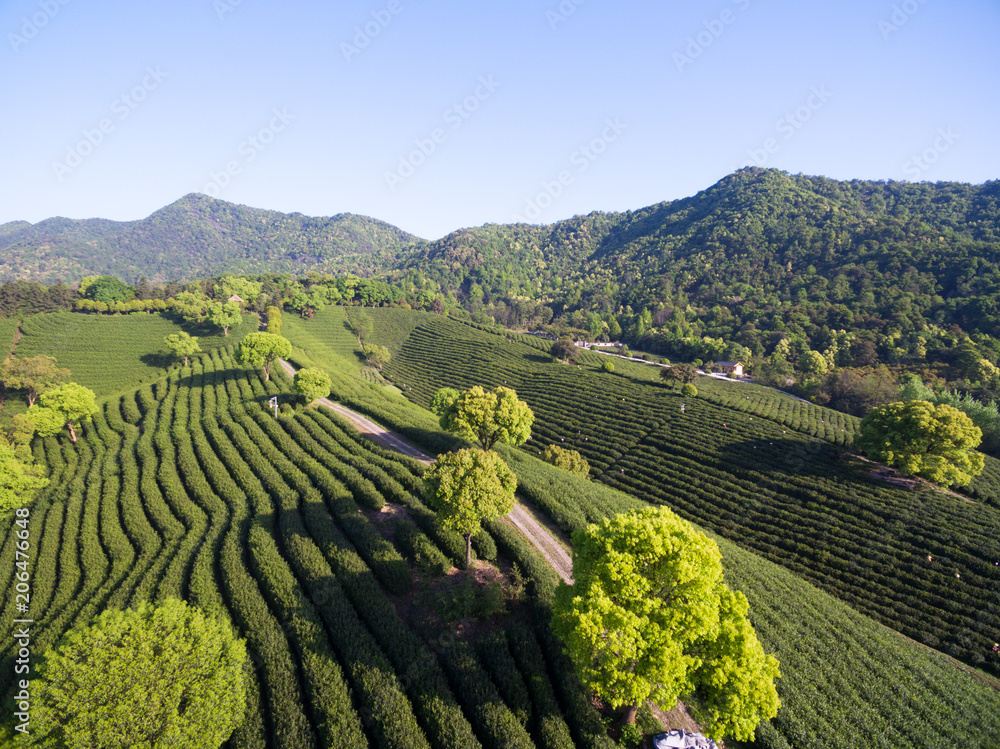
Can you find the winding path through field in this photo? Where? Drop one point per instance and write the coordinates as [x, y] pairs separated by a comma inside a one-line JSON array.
[[548, 546]]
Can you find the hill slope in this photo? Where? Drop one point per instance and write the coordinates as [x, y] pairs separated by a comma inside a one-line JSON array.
[[765, 245], [196, 237]]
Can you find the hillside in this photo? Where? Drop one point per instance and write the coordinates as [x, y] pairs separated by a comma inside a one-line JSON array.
[[759, 253], [196, 237]]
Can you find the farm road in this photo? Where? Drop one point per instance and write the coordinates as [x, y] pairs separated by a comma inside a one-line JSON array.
[[519, 517]]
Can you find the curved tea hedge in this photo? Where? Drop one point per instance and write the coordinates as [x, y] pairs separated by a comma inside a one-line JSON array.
[[190, 487]]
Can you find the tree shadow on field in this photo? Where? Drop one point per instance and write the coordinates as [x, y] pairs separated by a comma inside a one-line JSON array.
[[160, 360], [789, 457], [539, 358]]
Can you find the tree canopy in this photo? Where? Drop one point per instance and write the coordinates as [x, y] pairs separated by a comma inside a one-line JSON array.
[[182, 344], [19, 477], [68, 405], [224, 315], [684, 374], [32, 373], [154, 676], [487, 417], [467, 487], [563, 350], [262, 350], [650, 617], [568, 460], [312, 383], [936, 442]]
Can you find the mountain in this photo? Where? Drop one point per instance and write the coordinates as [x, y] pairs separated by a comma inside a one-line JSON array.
[[197, 237], [760, 248]]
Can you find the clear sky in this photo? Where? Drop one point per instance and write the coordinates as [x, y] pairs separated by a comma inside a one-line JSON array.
[[439, 114]]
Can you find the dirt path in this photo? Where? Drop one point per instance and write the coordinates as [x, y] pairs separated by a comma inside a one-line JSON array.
[[542, 540], [519, 517]]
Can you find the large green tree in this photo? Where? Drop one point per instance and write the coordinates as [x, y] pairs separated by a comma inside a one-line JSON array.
[[19, 478], [937, 442], [487, 417], [224, 315], [312, 383], [262, 350], [68, 405], [244, 288], [377, 356], [32, 373], [649, 617], [182, 344], [467, 487], [155, 676], [679, 373]]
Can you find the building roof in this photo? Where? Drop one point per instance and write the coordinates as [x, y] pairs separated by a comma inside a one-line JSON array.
[[729, 363], [235, 298]]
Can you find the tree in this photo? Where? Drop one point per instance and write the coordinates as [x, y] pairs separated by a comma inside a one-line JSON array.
[[108, 289], [312, 383], [191, 306], [224, 315], [568, 460], [274, 320], [682, 373], [607, 366], [262, 350], [245, 289], [813, 362], [689, 391], [650, 617], [443, 400], [68, 405], [33, 373], [564, 350], [467, 487], [154, 676], [19, 478], [919, 438], [182, 344], [362, 326], [377, 356], [489, 417], [46, 422]]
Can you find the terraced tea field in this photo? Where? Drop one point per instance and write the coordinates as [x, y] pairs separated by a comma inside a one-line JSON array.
[[754, 474], [189, 487], [113, 354]]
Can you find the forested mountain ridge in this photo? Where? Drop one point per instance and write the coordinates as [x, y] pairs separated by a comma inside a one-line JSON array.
[[196, 237], [865, 271], [759, 254]]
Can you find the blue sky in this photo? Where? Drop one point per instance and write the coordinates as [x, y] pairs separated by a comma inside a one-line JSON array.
[[438, 115]]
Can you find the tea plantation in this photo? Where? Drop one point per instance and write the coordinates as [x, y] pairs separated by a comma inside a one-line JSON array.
[[189, 486]]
